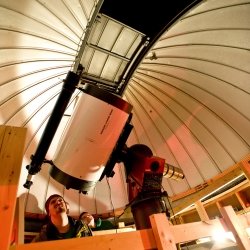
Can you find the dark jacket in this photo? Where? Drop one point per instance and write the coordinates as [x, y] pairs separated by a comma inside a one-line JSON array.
[[78, 229]]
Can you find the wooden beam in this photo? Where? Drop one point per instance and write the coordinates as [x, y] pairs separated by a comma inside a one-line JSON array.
[[238, 166], [12, 141], [17, 229], [211, 185], [196, 230], [201, 211], [245, 166], [18, 224], [162, 232], [136, 240], [239, 198], [220, 197], [234, 225]]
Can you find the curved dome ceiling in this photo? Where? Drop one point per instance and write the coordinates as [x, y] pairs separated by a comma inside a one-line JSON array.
[[190, 92]]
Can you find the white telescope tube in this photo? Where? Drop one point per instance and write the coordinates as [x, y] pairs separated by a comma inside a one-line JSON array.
[[90, 138]]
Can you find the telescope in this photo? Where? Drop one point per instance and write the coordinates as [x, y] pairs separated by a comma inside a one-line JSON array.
[[94, 141]]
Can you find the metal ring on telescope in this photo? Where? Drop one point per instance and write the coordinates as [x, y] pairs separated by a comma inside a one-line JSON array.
[[108, 97], [70, 181], [173, 172]]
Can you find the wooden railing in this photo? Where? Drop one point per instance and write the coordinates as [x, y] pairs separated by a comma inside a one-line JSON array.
[[161, 236]]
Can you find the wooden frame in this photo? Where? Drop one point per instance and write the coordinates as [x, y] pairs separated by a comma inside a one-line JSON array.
[[212, 206], [12, 141], [185, 199], [162, 236]]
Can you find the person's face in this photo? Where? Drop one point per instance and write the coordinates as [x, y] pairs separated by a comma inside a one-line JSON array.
[[88, 219], [57, 205]]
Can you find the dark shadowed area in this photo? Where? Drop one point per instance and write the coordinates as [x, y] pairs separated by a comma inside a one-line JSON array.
[[145, 16]]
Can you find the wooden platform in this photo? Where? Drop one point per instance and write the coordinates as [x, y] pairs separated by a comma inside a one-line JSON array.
[[161, 236]]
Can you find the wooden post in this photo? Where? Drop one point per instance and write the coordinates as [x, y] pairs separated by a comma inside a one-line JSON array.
[[12, 141], [201, 211], [18, 225], [245, 166], [163, 234], [234, 225]]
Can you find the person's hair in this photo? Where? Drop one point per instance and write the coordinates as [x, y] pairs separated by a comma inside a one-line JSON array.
[[48, 201], [81, 214]]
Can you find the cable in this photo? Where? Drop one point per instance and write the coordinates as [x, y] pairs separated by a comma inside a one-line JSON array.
[[169, 203], [127, 206], [94, 194], [79, 203], [111, 202]]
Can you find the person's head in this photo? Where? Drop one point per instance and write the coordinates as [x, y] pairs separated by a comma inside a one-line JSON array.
[[55, 204], [87, 218]]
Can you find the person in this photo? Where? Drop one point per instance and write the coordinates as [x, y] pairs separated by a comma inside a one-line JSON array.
[[95, 224], [88, 219], [60, 225]]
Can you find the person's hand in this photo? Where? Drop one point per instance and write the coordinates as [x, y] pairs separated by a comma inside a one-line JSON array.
[[88, 219]]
